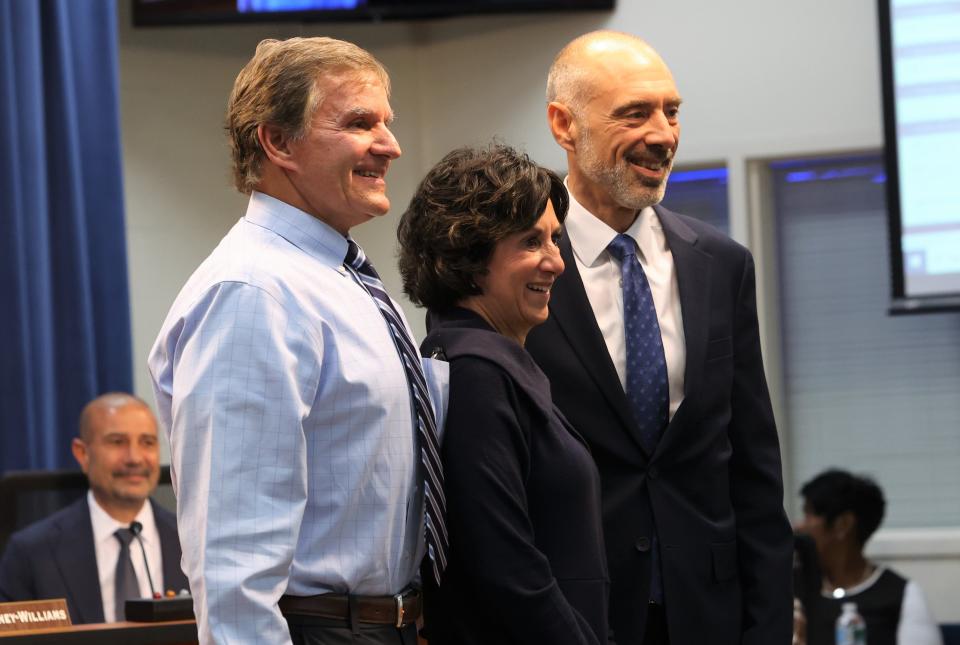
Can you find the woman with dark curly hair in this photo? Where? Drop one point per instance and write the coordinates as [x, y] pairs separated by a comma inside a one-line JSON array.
[[478, 248]]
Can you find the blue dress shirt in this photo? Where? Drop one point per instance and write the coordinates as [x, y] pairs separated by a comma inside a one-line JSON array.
[[293, 447]]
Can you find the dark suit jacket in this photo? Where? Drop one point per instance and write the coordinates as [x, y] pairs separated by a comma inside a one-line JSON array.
[[526, 561], [712, 491], [55, 558]]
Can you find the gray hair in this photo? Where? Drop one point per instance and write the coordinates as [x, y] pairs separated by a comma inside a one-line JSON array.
[[568, 81]]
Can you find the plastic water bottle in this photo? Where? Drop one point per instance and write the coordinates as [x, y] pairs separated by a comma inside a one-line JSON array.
[[851, 629]]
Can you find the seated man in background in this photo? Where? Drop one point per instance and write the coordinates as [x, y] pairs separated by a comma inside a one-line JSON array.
[[93, 552], [840, 512]]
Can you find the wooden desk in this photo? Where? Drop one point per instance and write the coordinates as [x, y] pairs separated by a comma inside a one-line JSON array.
[[175, 632]]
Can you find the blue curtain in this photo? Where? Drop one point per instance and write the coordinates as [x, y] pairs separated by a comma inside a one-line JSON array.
[[64, 305]]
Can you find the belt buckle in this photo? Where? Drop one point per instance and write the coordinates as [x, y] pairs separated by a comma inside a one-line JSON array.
[[399, 599]]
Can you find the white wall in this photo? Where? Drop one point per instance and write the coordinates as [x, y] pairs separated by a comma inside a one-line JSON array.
[[767, 79], [760, 79], [174, 85], [929, 556]]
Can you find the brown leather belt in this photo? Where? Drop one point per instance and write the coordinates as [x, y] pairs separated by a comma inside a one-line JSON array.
[[399, 610]]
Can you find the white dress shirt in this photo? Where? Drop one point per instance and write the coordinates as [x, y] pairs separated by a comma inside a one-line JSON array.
[[600, 272], [293, 450], [107, 548]]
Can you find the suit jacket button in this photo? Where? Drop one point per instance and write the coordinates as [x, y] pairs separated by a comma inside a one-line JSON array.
[[652, 472], [643, 544]]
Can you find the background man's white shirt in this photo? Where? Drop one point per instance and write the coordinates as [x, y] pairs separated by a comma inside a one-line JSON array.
[[108, 549]]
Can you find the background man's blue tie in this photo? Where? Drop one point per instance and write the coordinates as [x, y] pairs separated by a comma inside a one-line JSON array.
[[436, 504], [647, 388]]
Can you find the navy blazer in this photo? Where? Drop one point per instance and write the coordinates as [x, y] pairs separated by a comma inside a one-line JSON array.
[[56, 558], [712, 490], [526, 561]]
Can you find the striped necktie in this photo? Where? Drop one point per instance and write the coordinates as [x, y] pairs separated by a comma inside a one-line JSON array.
[[436, 505]]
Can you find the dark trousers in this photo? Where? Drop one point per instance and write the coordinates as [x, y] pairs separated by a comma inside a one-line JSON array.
[[656, 632], [310, 630]]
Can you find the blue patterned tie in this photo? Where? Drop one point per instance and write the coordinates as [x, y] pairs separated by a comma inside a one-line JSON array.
[[647, 387], [436, 504]]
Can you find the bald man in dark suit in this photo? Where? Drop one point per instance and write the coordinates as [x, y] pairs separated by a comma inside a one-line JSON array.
[[653, 352]]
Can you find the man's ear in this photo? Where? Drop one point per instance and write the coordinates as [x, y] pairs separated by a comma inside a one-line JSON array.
[[276, 146], [562, 125], [79, 450], [845, 525]]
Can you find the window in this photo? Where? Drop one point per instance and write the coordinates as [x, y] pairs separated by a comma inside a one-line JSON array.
[[865, 391], [700, 193]]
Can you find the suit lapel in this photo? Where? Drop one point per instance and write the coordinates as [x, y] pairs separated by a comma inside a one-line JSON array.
[[693, 277], [76, 557], [173, 577], [570, 308]]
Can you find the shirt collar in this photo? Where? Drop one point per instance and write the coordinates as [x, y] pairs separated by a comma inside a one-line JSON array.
[[590, 236], [105, 526], [301, 229]]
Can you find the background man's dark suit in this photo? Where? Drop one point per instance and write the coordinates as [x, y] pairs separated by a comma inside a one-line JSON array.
[[56, 558], [714, 482]]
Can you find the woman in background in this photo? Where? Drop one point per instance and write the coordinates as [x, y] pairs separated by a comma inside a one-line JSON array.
[[478, 248]]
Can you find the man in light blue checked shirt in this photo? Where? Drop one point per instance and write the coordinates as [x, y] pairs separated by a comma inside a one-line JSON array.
[[294, 447]]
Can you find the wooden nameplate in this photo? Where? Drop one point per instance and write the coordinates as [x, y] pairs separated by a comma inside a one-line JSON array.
[[33, 614]]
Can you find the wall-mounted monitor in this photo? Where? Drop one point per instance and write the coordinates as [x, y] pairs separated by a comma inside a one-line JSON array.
[[182, 12], [920, 61]]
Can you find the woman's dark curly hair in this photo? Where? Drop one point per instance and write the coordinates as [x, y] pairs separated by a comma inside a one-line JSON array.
[[471, 200]]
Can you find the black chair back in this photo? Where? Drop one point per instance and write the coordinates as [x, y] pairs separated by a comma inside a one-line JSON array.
[[28, 496]]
